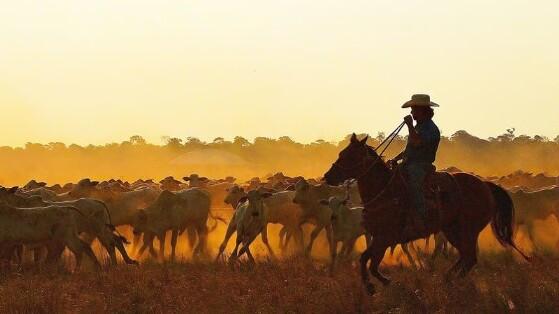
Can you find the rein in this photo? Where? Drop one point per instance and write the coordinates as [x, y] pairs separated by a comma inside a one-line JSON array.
[[391, 136], [388, 139]]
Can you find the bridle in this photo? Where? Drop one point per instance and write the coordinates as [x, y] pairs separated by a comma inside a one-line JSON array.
[[368, 155], [366, 170]]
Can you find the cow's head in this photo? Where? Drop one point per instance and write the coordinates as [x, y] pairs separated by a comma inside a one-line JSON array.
[[337, 205], [302, 192], [84, 188], [234, 195], [140, 222], [253, 219]]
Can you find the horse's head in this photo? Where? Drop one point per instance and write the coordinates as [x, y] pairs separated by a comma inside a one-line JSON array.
[[353, 162]]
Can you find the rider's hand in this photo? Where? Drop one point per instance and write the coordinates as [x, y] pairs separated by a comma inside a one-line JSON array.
[[408, 120], [392, 163]]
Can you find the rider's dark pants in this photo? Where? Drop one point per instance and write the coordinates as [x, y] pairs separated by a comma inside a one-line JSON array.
[[416, 173]]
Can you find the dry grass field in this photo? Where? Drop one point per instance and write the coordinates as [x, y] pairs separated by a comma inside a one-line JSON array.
[[499, 284]]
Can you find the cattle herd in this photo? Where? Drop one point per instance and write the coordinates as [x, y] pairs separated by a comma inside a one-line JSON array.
[[45, 220]]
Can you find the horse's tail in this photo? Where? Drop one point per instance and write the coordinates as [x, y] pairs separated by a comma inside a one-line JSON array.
[[503, 221]]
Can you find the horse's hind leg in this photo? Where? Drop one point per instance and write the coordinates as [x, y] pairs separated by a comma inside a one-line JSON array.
[[469, 254], [454, 238]]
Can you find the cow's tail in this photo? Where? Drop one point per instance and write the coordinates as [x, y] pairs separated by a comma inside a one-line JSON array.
[[110, 224], [216, 220], [74, 209], [502, 223], [117, 235]]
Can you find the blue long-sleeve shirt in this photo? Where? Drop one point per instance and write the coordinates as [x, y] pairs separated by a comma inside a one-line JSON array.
[[426, 152]]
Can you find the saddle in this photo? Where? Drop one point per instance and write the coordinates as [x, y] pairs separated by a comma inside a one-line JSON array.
[[436, 188], [436, 192]]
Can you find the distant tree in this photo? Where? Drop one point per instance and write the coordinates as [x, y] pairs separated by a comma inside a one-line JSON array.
[[285, 139], [35, 147], [194, 141], [556, 140], [174, 143], [137, 140], [57, 146], [240, 141], [218, 140], [539, 138], [75, 147], [508, 136], [522, 139]]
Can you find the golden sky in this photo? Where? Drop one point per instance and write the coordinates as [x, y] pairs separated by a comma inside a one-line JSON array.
[[99, 71]]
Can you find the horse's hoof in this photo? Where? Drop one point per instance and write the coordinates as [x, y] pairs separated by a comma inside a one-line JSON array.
[[370, 289], [386, 282]]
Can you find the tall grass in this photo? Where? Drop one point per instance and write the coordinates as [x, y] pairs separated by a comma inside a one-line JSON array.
[[499, 284]]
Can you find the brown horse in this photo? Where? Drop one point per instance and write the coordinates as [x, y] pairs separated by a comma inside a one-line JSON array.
[[469, 207]]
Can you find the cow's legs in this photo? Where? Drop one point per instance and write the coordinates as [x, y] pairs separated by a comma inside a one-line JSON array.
[[151, 249], [249, 254], [147, 242], [283, 238], [37, 254], [299, 238], [411, 260], [234, 255], [314, 234], [107, 241], [246, 248], [201, 248], [231, 229], [333, 246], [174, 236], [120, 246], [162, 237], [135, 244], [54, 251], [264, 234], [349, 245], [78, 247]]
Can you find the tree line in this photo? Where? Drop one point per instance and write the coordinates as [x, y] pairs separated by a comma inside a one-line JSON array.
[[136, 158]]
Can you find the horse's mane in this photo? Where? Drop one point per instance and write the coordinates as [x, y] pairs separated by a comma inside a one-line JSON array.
[[374, 153]]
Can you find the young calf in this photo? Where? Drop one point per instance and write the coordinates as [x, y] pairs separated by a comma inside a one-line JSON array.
[[277, 208], [250, 220], [346, 224]]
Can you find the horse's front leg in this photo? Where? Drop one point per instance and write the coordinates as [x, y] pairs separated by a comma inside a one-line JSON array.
[[378, 249], [363, 260]]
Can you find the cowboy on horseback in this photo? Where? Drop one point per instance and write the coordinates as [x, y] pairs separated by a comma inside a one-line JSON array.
[[419, 155]]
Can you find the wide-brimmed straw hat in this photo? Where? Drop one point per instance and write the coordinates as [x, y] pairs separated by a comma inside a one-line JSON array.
[[419, 100]]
